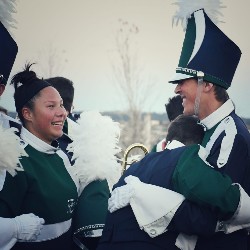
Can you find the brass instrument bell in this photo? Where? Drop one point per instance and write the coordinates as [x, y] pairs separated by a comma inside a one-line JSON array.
[[127, 151]]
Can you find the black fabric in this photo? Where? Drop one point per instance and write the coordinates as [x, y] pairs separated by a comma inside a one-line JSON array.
[[64, 242], [8, 52], [25, 92], [16, 125], [90, 242]]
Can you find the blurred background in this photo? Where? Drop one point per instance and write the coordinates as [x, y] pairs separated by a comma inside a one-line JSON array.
[[119, 53]]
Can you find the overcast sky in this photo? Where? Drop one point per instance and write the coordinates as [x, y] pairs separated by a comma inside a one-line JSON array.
[[82, 34]]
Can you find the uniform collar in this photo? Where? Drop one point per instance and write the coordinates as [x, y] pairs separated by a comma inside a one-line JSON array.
[[38, 144], [174, 144], [210, 121]]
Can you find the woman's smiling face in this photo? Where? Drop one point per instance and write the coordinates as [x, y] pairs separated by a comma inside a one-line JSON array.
[[47, 117]]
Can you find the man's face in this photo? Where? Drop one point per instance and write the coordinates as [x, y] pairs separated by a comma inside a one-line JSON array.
[[187, 90]]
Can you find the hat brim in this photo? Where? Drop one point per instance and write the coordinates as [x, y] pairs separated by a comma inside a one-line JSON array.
[[178, 77]]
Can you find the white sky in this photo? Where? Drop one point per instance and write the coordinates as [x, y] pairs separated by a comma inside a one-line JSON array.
[[82, 34]]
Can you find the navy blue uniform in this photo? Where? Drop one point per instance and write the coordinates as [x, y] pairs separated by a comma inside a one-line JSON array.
[[121, 230]]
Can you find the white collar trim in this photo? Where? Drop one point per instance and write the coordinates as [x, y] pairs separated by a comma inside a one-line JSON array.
[[36, 143], [174, 144], [218, 115]]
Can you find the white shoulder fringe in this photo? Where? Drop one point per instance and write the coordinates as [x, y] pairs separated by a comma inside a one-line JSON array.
[[10, 151], [95, 148]]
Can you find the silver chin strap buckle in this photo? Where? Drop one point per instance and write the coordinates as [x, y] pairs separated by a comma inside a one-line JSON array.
[[200, 76]]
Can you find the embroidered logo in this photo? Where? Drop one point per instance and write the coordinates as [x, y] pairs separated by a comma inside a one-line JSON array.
[[71, 205]]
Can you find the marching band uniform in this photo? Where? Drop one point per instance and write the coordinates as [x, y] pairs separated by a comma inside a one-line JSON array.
[[44, 188], [226, 140], [24, 226], [93, 135], [209, 55]]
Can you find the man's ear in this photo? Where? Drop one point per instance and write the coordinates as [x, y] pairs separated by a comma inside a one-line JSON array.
[[208, 86], [27, 114], [2, 88]]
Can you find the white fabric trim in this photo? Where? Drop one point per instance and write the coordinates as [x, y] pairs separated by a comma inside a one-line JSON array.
[[203, 153], [227, 142], [241, 217], [227, 125], [71, 170], [5, 120], [154, 221], [178, 77], [200, 32], [7, 233], [91, 233], [186, 242], [36, 143], [174, 144], [2, 178], [218, 115], [52, 231]]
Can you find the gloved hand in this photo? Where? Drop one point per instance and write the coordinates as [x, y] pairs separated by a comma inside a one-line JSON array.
[[28, 226], [241, 217], [120, 196]]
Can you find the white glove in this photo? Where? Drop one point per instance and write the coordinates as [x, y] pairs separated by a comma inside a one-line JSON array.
[[241, 217], [120, 196], [28, 226]]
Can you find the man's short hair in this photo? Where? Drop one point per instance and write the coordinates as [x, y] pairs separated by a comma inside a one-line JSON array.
[[174, 107], [184, 128], [65, 88], [221, 94]]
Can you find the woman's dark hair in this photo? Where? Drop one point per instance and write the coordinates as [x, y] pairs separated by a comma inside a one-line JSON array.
[[27, 88]]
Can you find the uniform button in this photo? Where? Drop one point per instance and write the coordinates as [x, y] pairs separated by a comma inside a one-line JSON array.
[[221, 226], [152, 231]]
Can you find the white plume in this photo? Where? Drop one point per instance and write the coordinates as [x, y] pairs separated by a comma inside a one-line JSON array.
[[94, 147], [187, 7], [7, 8], [10, 151]]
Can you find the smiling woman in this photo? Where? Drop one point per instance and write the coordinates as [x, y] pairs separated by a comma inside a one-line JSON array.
[[45, 187], [39, 106]]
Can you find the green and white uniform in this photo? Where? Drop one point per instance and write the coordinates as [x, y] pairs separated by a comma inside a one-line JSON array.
[[46, 189]]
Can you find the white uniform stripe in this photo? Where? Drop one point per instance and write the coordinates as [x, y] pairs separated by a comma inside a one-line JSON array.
[[200, 32]]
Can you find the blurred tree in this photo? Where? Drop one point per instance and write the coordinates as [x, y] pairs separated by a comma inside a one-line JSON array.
[[51, 61], [131, 81]]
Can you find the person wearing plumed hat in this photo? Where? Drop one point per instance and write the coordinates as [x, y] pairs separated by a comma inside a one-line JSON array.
[[23, 226], [8, 52], [206, 68]]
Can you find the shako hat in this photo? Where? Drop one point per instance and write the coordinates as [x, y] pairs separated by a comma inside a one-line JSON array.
[[206, 52], [8, 46]]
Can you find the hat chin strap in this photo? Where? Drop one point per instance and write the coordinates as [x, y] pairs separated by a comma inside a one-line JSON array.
[[198, 96]]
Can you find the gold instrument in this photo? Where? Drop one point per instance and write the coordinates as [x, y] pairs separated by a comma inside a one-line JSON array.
[[127, 151]]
